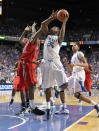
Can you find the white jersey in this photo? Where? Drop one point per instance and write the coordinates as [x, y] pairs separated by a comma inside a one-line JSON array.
[[78, 74], [76, 59], [52, 68], [51, 48]]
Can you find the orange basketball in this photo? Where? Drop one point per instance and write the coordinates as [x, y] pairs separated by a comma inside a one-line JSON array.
[[61, 14]]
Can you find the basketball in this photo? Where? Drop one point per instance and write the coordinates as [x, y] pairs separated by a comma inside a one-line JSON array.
[[61, 14]]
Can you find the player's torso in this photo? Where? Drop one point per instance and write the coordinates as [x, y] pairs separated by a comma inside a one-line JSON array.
[[51, 48], [75, 59], [30, 52]]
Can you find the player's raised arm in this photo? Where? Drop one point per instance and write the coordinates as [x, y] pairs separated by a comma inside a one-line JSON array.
[[35, 36], [22, 38], [63, 28], [51, 18], [44, 28], [33, 28], [45, 23]]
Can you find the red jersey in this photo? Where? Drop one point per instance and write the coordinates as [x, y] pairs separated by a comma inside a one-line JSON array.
[[30, 52], [26, 68]]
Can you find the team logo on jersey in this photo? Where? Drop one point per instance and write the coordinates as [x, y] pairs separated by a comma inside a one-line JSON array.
[[51, 41]]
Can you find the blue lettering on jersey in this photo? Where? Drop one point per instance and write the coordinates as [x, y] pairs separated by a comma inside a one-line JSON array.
[[51, 42]]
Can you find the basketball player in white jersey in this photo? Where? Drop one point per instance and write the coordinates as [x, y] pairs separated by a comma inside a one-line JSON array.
[[53, 68], [78, 63]]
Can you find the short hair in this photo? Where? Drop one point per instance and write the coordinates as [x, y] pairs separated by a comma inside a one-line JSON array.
[[58, 29]]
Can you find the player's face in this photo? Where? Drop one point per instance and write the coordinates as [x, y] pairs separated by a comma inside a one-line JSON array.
[[75, 48], [54, 30]]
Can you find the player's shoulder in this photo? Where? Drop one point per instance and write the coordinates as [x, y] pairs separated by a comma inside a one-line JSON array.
[[80, 53], [52, 36]]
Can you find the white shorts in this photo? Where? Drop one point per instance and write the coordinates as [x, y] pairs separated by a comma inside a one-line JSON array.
[[51, 72], [73, 81]]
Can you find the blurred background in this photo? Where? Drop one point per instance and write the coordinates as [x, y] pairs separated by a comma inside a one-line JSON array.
[[82, 27]]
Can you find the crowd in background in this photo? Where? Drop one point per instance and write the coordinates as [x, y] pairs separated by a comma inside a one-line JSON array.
[[82, 34], [9, 55], [78, 34]]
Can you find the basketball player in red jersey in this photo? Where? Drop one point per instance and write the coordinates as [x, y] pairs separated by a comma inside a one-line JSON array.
[[88, 78], [22, 88], [26, 67], [18, 82], [26, 77]]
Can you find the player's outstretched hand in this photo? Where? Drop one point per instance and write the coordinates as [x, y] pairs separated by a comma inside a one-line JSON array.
[[54, 14]]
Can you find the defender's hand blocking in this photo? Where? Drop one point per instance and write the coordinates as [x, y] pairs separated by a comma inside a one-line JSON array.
[[54, 14]]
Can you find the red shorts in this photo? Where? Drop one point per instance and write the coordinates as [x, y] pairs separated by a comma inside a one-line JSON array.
[[27, 73], [18, 85]]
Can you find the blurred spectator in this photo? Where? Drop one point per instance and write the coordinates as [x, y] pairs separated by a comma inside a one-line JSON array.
[[8, 57], [75, 34]]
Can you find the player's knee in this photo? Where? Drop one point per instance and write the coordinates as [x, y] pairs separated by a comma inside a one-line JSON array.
[[61, 91], [77, 95], [48, 91]]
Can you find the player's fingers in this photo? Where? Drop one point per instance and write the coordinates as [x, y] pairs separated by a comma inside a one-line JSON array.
[[56, 11]]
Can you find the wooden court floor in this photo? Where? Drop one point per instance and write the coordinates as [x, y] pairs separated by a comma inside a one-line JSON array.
[[91, 118]]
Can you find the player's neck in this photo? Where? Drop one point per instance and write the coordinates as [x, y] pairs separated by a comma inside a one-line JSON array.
[[75, 52]]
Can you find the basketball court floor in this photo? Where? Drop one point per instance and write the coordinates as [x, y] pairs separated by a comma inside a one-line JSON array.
[[82, 116]]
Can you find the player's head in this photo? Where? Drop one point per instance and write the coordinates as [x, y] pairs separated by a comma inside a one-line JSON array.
[[54, 30], [75, 47]]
